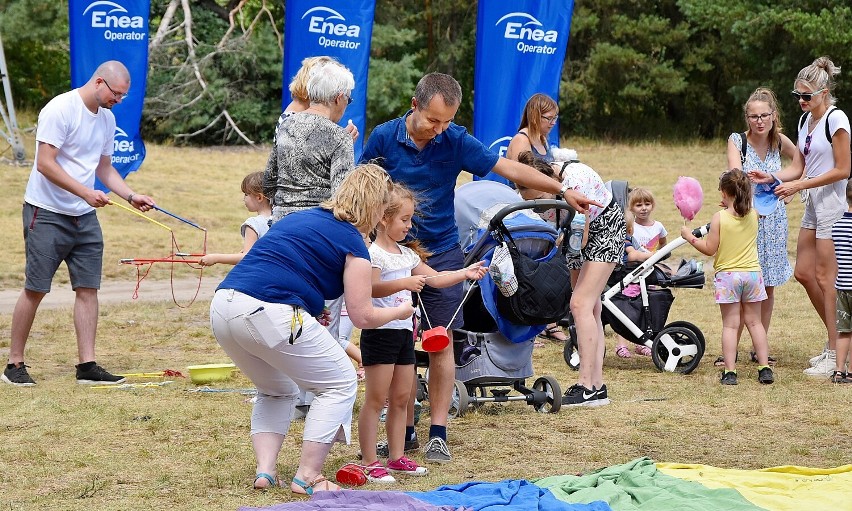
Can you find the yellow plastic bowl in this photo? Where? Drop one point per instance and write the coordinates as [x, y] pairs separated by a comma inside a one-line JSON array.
[[210, 372]]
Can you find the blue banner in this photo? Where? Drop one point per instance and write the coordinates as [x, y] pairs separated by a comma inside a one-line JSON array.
[[104, 30], [337, 28], [520, 49]]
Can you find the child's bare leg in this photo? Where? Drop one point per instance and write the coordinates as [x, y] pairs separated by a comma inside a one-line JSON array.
[[754, 323], [398, 405], [844, 339], [378, 382], [730, 327]]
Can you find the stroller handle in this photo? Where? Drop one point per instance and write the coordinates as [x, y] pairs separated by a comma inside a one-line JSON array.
[[700, 232], [536, 205]]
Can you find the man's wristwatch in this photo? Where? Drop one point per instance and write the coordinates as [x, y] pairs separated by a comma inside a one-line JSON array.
[[564, 189], [130, 198]]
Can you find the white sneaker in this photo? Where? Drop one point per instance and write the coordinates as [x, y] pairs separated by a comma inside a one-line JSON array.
[[815, 360], [824, 367]]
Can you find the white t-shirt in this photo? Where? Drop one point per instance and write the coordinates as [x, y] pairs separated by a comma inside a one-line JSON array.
[[585, 180], [820, 157], [259, 224], [394, 266], [648, 236], [82, 138]]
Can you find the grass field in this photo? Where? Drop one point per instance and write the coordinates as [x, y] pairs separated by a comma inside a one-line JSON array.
[[70, 447]]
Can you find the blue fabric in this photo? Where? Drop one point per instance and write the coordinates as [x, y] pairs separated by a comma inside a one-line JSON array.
[[299, 261], [512, 331], [431, 173], [508, 495]]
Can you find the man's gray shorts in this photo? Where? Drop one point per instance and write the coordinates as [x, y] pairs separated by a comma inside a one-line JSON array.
[[51, 238]]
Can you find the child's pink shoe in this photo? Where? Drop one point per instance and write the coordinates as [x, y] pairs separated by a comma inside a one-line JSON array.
[[623, 351], [643, 350], [406, 466]]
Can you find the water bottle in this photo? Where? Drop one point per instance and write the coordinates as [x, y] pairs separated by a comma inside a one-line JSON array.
[[575, 237]]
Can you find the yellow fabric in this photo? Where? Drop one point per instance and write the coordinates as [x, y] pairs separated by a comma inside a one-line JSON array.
[[737, 243], [787, 488]]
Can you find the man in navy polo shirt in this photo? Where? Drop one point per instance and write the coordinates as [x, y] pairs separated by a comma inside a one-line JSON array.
[[424, 150]]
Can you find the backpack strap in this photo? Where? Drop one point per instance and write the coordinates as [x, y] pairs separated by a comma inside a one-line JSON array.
[[802, 119], [743, 147], [827, 130]]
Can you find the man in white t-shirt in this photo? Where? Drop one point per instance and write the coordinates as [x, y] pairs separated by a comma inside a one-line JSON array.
[[74, 143]]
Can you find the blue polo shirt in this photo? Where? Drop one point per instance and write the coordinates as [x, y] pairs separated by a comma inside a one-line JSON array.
[[430, 173], [299, 261]]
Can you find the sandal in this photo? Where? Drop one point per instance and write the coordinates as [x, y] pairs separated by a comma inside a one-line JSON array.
[[623, 351], [643, 350], [753, 356], [310, 488], [263, 475], [720, 361], [553, 333]]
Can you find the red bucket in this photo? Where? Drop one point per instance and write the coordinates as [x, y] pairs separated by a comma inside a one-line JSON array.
[[435, 339], [351, 474]]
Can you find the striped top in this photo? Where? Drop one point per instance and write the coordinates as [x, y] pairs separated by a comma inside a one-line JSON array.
[[841, 234]]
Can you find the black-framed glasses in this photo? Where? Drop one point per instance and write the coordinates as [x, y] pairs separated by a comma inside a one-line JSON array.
[[807, 145], [759, 117], [550, 118], [115, 94], [805, 96]]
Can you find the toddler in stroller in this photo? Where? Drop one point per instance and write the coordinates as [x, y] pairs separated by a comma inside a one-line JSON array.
[[493, 350]]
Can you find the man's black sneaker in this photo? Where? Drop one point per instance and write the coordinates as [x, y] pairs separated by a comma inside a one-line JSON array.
[[383, 451], [96, 375], [16, 374], [578, 395], [765, 376], [729, 378]]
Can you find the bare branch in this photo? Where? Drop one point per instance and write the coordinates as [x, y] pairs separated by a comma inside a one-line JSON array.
[[163, 29]]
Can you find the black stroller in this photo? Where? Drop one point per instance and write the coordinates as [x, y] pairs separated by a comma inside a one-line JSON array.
[[493, 355]]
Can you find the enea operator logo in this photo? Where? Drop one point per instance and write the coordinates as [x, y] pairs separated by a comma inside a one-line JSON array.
[[500, 146], [332, 28], [528, 31], [123, 150], [117, 23]]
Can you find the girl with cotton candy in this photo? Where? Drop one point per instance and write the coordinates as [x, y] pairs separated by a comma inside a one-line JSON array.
[[762, 149]]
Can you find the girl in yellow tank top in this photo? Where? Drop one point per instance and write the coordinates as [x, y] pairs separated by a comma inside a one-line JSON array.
[[732, 240]]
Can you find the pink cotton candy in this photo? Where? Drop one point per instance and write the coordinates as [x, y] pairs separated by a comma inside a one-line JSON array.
[[688, 196]]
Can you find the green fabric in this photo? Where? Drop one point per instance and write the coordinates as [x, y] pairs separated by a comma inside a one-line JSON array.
[[638, 485]]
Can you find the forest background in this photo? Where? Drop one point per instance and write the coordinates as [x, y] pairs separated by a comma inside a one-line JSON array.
[[635, 69]]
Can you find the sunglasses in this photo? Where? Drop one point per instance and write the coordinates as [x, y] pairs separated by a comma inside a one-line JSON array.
[[807, 145], [805, 96]]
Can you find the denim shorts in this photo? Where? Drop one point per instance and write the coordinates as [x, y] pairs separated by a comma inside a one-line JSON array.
[[51, 238], [387, 346], [739, 286]]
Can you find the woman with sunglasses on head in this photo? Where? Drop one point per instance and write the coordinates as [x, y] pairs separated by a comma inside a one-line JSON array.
[[819, 171], [764, 145]]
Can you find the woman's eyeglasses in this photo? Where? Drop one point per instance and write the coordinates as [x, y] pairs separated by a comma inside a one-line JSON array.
[[760, 117], [805, 96], [550, 118], [807, 145]]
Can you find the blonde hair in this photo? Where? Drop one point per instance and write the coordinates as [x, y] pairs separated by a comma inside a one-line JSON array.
[[638, 195], [529, 159], [253, 184], [820, 75], [361, 197], [299, 84], [766, 96], [629, 218], [397, 198], [531, 119]]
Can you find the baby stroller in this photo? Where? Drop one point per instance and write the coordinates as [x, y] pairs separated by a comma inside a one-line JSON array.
[[493, 355], [675, 347]]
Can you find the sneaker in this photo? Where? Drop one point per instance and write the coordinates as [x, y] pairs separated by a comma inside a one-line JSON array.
[[841, 377], [824, 368], [728, 378], [814, 360], [16, 374], [437, 451], [578, 395], [406, 466], [97, 375], [376, 473], [383, 451], [603, 398], [765, 376]]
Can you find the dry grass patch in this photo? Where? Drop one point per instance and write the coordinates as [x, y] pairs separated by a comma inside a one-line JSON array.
[[69, 447]]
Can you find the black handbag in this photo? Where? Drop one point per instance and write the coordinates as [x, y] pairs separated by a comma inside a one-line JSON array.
[[544, 287]]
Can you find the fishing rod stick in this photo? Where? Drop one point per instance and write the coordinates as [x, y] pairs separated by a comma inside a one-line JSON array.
[[184, 220], [112, 203]]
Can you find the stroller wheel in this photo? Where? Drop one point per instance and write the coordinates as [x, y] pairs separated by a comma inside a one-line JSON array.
[[570, 351], [553, 394], [677, 349], [461, 400], [695, 330]]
